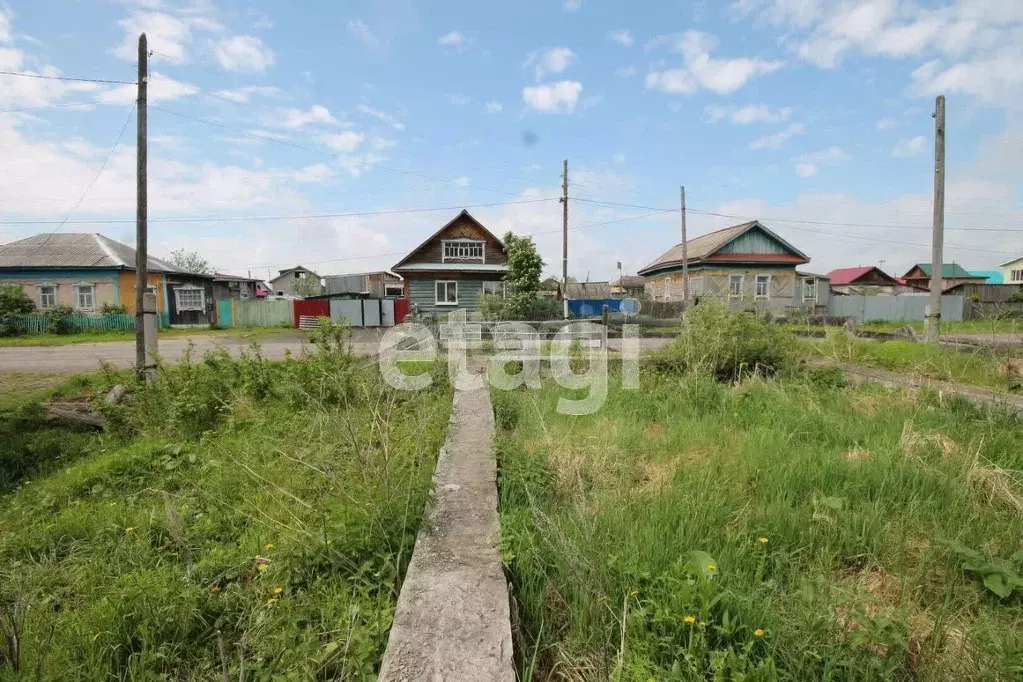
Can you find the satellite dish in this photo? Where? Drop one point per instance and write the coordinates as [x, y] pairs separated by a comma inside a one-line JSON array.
[[630, 306]]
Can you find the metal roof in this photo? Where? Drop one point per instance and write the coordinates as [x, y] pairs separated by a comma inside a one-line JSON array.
[[75, 250], [707, 244]]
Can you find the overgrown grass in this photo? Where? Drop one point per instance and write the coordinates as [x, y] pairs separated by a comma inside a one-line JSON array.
[[987, 326], [238, 518], [990, 369], [250, 333], [772, 530]]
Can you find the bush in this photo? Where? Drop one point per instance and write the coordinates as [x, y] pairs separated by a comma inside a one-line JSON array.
[[61, 320], [113, 309], [14, 301], [727, 345]]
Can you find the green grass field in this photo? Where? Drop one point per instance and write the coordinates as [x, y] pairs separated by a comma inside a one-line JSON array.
[[251, 333], [236, 514], [982, 368], [790, 529]]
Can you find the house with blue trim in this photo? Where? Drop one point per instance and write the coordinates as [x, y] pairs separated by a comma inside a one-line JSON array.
[[86, 270]]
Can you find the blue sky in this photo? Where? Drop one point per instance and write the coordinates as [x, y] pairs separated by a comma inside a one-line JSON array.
[[813, 116]]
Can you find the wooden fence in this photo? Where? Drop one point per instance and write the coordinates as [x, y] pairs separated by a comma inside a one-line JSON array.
[[77, 323]]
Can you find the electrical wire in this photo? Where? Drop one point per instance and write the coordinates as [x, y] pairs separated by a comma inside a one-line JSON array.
[[64, 78]]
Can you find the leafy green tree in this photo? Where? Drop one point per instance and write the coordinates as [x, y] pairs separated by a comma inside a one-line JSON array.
[[307, 286], [191, 261], [524, 269], [14, 301]]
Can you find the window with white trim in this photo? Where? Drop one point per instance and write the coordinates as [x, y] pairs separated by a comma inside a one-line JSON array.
[[667, 288], [734, 286], [810, 289], [85, 296], [447, 292], [47, 295], [1016, 276], [190, 298], [763, 289], [494, 289], [394, 290], [462, 249]]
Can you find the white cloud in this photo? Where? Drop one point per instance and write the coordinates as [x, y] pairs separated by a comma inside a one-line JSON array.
[[622, 36], [347, 142], [169, 37], [553, 98], [572, 5], [243, 53], [243, 94], [994, 79], [626, 71], [456, 40], [494, 107], [316, 173], [363, 32], [461, 182], [161, 89], [807, 165], [805, 169], [382, 116], [618, 158], [751, 113], [701, 70], [778, 139], [551, 60], [460, 100], [886, 123], [5, 26], [382, 143], [296, 118], [913, 146]]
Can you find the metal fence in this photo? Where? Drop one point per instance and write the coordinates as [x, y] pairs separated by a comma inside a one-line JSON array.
[[77, 323], [909, 307], [262, 314]]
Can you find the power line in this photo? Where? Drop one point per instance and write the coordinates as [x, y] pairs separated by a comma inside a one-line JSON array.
[[311, 216], [64, 78]]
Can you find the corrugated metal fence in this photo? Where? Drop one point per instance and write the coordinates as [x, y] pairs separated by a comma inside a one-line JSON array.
[[261, 314], [77, 323], [909, 307]]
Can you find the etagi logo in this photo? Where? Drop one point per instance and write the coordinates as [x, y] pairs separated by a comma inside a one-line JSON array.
[[520, 350]]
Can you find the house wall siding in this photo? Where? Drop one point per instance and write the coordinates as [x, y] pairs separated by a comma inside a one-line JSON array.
[[422, 290], [104, 281], [432, 251], [754, 241], [126, 290], [189, 317]]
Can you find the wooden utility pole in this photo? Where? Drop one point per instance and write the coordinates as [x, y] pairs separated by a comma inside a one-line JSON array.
[[564, 237], [933, 327], [141, 213], [685, 254]]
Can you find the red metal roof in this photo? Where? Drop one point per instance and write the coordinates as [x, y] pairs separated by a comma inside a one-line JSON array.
[[849, 275]]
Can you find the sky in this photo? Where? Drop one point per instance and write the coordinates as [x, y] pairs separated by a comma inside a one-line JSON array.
[[341, 135]]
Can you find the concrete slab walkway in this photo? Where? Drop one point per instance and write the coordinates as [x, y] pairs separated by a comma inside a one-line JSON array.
[[452, 620]]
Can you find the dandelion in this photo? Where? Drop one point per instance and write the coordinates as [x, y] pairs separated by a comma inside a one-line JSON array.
[[129, 529], [763, 541], [329, 543], [272, 600], [689, 620], [261, 567], [758, 632], [278, 590], [712, 567], [269, 545]]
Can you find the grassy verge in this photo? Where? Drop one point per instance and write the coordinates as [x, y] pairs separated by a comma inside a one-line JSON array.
[[252, 333], [994, 326], [791, 529], [235, 514], [982, 368]]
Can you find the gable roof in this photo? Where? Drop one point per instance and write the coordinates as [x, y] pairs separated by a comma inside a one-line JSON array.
[[948, 271], [700, 248], [1010, 262], [286, 271], [75, 250], [448, 225], [629, 282], [587, 290], [221, 277], [841, 276]]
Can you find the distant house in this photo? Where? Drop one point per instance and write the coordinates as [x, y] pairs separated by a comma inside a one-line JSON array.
[[994, 276], [1012, 271], [581, 291], [952, 274], [629, 285], [748, 264], [812, 290], [236, 288], [550, 288], [866, 280], [85, 270], [455, 264], [381, 284], [284, 283]]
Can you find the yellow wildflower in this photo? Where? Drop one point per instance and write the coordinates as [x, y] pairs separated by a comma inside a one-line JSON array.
[[330, 542], [269, 545], [129, 529], [758, 633], [272, 600], [278, 590], [261, 567], [763, 541], [689, 620], [712, 567]]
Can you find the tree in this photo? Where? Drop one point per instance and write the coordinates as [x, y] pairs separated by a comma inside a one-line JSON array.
[[307, 286], [191, 261], [14, 301], [524, 269]]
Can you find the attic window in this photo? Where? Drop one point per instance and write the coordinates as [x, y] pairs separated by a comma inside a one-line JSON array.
[[463, 249]]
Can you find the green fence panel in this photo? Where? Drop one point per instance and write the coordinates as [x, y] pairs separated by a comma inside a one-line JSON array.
[[73, 324], [263, 314]]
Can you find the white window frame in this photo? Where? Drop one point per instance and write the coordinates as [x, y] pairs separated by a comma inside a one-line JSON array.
[[742, 283], [459, 245], [39, 294], [667, 289], [756, 285], [499, 288], [1016, 276], [189, 288], [390, 288], [446, 283], [812, 281], [77, 291]]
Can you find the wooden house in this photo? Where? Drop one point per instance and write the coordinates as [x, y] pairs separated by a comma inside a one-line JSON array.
[[952, 274]]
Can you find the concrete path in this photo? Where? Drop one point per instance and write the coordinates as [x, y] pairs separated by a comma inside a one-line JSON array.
[[452, 620], [859, 374]]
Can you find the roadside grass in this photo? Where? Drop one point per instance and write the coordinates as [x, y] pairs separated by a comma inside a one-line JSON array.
[[986, 326], [237, 518], [249, 333], [788, 529], [987, 368]]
